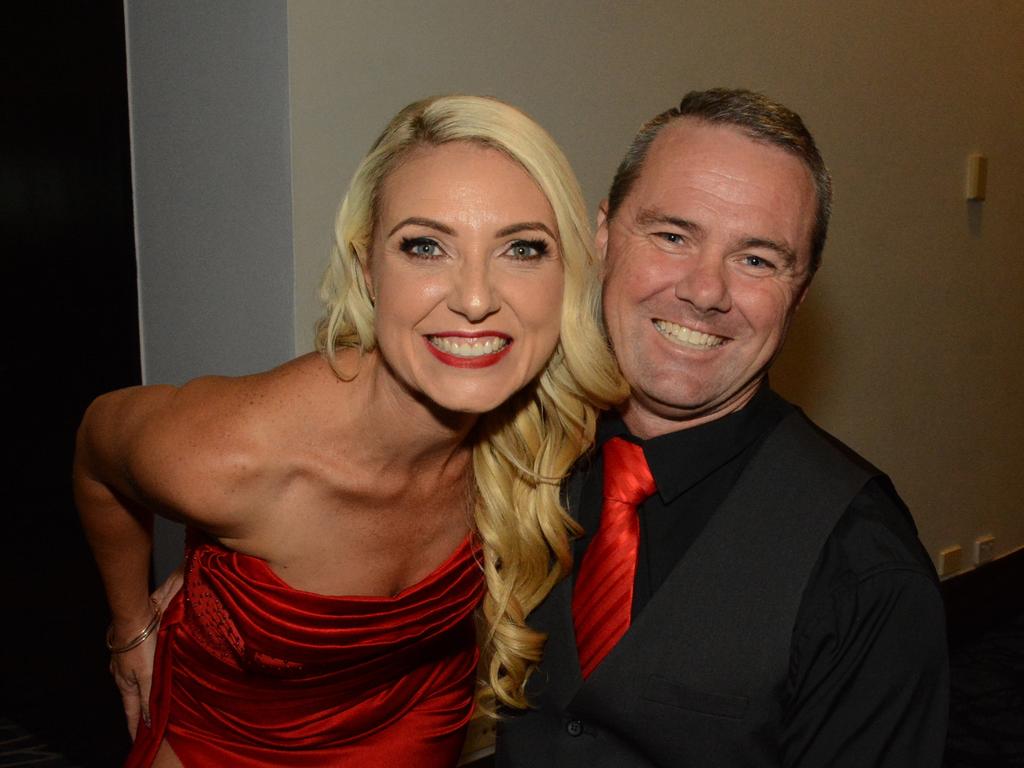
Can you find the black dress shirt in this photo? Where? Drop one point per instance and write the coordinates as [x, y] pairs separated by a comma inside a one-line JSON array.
[[871, 620]]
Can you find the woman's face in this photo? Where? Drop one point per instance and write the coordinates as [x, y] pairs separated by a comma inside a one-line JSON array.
[[466, 274]]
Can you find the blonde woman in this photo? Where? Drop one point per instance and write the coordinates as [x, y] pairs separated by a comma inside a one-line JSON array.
[[349, 510]]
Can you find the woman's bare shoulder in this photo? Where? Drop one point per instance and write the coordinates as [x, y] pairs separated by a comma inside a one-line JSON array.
[[221, 411], [209, 451]]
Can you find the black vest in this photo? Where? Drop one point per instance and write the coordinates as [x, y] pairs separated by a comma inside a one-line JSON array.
[[699, 678]]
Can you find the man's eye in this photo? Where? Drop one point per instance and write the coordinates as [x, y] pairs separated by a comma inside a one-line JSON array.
[[758, 261], [671, 237], [527, 250], [423, 247]]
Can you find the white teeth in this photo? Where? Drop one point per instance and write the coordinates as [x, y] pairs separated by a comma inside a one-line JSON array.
[[468, 347], [686, 336]]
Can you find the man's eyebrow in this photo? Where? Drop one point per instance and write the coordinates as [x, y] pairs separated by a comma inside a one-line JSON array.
[[648, 216], [784, 251], [430, 223], [525, 226]]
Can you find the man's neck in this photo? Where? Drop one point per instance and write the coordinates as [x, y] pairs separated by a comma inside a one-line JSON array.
[[647, 420]]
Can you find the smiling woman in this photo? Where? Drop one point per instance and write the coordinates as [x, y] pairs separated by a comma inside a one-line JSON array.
[[527, 444], [467, 276], [349, 510]]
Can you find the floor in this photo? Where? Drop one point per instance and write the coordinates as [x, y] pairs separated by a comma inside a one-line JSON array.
[[986, 725], [18, 747]]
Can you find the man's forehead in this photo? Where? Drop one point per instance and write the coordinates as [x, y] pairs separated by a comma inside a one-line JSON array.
[[757, 189], [688, 142]]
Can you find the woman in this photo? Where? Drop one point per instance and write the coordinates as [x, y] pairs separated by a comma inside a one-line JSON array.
[[341, 507]]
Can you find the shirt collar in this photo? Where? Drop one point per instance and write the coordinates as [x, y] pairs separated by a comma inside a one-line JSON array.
[[679, 460]]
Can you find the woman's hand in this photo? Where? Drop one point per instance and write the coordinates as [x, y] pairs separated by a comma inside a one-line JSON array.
[[133, 673], [133, 669]]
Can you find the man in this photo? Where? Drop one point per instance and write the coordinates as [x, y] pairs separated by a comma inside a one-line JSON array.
[[750, 592]]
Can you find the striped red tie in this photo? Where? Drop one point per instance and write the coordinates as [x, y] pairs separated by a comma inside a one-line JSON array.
[[602, 599]]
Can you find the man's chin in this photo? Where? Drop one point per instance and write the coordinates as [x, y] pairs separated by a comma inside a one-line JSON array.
[[656, 411]]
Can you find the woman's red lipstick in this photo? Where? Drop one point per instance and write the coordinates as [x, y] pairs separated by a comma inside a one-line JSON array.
[[479, 361]]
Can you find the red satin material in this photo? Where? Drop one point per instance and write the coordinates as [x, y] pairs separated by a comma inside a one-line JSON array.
[[251, 673], [602, 599]]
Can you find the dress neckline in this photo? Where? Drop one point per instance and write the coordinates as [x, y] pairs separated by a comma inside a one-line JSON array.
[[467, 548]]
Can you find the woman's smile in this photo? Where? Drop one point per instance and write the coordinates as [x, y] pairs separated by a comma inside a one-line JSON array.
[[469, 350]]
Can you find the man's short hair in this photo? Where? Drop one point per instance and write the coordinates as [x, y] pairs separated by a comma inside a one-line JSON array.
[[759, 118]]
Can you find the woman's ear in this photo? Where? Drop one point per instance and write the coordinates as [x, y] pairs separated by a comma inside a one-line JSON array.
[[601, 233], [364, 265]]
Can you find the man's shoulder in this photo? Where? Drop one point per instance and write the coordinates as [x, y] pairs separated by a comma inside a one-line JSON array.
[[797, 453], [876, 530], [877, 534], [797, 418]]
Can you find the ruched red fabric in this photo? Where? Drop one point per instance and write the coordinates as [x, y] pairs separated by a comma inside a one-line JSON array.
[[251, 673]]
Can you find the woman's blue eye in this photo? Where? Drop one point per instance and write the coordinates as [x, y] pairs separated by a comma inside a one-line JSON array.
[[527, 249], [420, 246]]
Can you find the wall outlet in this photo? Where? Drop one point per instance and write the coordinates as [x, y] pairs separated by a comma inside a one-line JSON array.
[[983, 547], [950, 560]]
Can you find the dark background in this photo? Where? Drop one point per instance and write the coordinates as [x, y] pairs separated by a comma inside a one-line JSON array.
[[70, 333]]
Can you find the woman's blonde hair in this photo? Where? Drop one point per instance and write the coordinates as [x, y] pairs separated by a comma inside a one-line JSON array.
[[523, 449]]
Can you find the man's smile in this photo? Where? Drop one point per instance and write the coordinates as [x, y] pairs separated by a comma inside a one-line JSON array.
[[687, 337]]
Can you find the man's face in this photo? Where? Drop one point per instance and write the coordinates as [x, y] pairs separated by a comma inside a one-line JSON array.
[[706, 261]]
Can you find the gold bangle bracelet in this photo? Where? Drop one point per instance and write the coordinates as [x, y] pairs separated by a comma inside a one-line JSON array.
[[140, 638]]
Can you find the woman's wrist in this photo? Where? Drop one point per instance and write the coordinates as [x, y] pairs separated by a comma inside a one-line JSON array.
[[124, 635], [126, 624]]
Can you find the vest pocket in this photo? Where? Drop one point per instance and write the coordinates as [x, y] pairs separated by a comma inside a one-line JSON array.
[[661, 690]]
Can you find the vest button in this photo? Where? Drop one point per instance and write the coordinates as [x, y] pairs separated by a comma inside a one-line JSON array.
[[574, 727]]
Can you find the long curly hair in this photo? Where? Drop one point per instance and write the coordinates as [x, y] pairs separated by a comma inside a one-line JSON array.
[[523, 449]]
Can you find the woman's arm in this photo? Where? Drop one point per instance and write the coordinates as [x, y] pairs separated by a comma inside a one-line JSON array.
[[117, 522], [119, 529], [203, 454], [196, 454]]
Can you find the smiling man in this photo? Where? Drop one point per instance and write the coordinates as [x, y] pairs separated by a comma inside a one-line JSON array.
[[747, 591]]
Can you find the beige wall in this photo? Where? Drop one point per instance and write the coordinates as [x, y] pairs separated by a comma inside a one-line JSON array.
[[909, 347]]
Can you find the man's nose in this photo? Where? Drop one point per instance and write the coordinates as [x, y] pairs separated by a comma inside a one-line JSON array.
[[473, 294], [705, 284]]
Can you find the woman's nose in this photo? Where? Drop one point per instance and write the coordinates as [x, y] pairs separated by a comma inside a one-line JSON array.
[[473, 294]]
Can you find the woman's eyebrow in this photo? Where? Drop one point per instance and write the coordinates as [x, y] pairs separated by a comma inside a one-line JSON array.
[[525, 226], [431, 223], [511, 229]]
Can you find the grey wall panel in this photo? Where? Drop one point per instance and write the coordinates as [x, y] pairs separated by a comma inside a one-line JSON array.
[[212, 168]]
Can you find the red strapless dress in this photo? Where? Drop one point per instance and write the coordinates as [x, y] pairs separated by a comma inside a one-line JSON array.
[[252, 673]]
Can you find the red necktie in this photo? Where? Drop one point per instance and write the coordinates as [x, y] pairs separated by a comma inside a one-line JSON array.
[[602, 599]]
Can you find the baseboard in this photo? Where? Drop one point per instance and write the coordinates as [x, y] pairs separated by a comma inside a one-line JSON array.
[[980, 598], [479, 746]]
